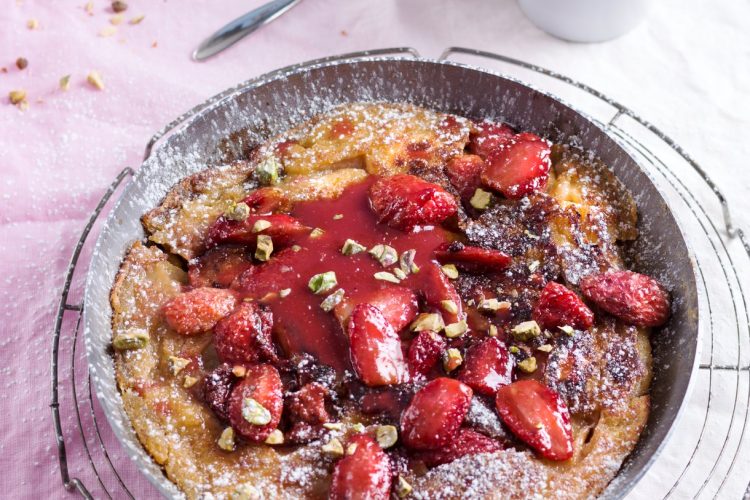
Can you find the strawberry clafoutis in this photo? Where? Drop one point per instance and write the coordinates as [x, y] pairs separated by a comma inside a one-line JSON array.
[[384, 302]]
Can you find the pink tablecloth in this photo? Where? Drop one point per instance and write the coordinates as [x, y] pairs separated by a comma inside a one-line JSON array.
[[57, 157]]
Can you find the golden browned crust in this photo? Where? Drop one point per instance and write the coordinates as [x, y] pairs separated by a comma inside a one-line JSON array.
[[610, 365]]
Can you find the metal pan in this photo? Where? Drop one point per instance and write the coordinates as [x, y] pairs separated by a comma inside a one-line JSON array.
[[271, 104]]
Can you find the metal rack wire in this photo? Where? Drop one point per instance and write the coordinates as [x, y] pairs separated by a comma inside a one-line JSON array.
[[706, 465]]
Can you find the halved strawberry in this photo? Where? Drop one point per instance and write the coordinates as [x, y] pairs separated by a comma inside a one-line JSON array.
[[261, 386], [487, 367], [538, 416], [308, 405], [198, 310], [487, 138], [218, 267], [245, 335], [261, 279], [216, 388], [464, 172], [519, 167], [559, 306], [284, 230], [466, 442], [424, 352], [635, 298], [435, 413], [375, 348], [398, 305], [472, 259], [404, 201], [436, 287], [363, 474]]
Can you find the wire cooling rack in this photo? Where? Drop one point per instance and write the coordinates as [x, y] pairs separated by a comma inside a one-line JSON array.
[[709, 453]]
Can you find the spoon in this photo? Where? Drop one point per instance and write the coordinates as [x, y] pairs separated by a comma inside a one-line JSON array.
[[241, 27]]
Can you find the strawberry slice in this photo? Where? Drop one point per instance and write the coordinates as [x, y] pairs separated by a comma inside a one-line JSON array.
[[559, 306], [256, 403], [259, 280], [537, 416], [216, 388], [245, 335], [435, 413], [635, 298], [308, 405], [436, 287], [398, 305], [488, 137], [198, 310], [375, 348], [464, 172], [266, 200], [519, 167], [425, 350], [404, 201], [466, 442], [363, 474], [284, 230], [472, 259], [487, 367], [218, 267]]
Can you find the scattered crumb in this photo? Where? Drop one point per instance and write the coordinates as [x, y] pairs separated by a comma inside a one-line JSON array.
[[119, 6], [22, 63], [107, 31], [32, 24], [137, 19], [344, 33], [95, 79], [65, 83]]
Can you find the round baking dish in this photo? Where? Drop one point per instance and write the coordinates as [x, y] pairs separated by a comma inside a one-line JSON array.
[[268, 105]]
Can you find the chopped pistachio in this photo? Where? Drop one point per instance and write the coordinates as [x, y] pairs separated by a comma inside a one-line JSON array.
[[254, 412], [137, 19], [95, 80], [449, 306], [239, 371], [351, 247], [260, 224], [492, 332], [386, 276], [65, 82], [338, 216], [456, 329], [567, 329], [32, 24], [267, 171], [526, 331], [406, 262], [237, 211], [276, 437], [351, 449], [450, 270], [528, 365], [492, 305], [399, 273], [386, 435], [403, 488], [332, 300], [226, 440], [544, 348], [189, 381], [285, 292], [317, 233], [358, 427], [481, 199], [333, 447], [333, 426], [296, 248], [263, 247], [385, 254], [514, 349], [177, 364], [530, 234], [17, 96], [245, 492], [427, 322], [323, 282], [452, 359], [134, 338], [534, 265]]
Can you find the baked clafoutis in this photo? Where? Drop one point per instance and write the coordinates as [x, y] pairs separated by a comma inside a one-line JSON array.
[[387, 301]]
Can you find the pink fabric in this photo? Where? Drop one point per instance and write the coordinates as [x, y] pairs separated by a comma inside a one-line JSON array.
[[57, 157]]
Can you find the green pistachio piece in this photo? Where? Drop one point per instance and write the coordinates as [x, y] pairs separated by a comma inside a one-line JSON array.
[[226, 440], [450, 270], [386, 276], [456, 329], [254, 412], [332, 300], [528, 365], [134, 338], [261, 225], [263, 247], [237, 211], [427, 322], [323, 282], [351, 247], [386, 435], [481, 199], [406, 262], [268, 170], [385, 254], [526, 331]]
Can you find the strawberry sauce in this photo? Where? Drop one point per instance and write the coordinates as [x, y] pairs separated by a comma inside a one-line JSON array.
[[300, 325]]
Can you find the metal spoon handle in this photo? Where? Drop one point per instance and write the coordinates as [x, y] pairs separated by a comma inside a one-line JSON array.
[[241, 27]]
